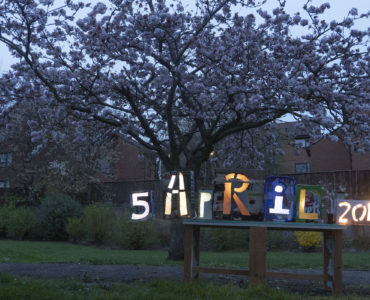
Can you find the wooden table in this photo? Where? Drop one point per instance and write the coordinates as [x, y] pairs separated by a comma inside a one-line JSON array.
[[332, 251]]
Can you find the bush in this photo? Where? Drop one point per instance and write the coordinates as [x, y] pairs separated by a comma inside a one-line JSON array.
[[138, 235], [309, 240], [99, 222], [55, 210], [76, 229], [221, 239], [4, 216], [21, 223], [281, 240]]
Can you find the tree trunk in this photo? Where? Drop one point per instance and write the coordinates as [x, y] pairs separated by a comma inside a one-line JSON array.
[[176, 250]]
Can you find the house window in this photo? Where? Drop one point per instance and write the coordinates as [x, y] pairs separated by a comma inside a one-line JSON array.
[[302, 168], [5, 159], [4, 184], [301, 143]]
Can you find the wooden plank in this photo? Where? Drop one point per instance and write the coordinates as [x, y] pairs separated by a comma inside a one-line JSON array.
[[337, 277], [221, 270], [257, 255], [272, 225], [299, 276]]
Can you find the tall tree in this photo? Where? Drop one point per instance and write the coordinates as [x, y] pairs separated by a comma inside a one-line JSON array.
[[179, 82], [66, 163]]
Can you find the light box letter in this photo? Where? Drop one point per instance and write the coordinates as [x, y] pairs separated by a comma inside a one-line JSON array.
[[205, 204], [232, 193], [352, 212], [279, 198], [176, 193], [308, 202], [141, 206]]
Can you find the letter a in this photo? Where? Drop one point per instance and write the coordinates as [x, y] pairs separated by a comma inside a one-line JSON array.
[[182, 196]]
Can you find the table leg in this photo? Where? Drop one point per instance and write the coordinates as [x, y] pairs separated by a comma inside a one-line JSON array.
[[333, 260], [337, 264], [257, 255], [326, 257], [191, 252]]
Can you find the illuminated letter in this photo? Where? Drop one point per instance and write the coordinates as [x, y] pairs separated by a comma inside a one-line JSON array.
[[302, 203], [278, 205], [182, 196], [368, 212], [143, 203], [362, 217], [342, 219], [227, 194], [204, 197]]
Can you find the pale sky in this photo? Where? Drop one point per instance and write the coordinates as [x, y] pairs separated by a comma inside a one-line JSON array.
[[339, 9]]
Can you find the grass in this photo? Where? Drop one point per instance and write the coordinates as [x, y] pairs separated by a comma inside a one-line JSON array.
[[24, 288], [38, 252]]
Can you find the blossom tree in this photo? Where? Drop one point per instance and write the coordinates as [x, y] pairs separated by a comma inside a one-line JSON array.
[[180, 81], [65, 164]]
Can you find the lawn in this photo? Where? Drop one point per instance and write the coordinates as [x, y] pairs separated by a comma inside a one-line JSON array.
[[35, 252], [25, 288]]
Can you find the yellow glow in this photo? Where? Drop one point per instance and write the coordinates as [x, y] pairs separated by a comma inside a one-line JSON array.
[[342, 219], [368, 212], [302, 204], [228, 192], [182, 196], [181, 182], [172, 182], [137, 202], [183, 204], [168, 205], [362, 217], [204, 197]]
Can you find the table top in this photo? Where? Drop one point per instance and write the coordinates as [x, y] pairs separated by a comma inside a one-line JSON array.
[[269, 225]]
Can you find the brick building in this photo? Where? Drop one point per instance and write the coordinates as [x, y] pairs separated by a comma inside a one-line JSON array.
[[132, 163], [323, 156]]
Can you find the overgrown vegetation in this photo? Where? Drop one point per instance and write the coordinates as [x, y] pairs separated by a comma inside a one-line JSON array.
[[21, 223], [138, 235], [99, 223], [54, 212]]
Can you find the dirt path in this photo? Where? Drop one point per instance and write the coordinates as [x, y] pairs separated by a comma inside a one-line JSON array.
[[357, 282]]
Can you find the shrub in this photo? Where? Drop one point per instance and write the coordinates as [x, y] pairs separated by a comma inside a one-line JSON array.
[[99, 222], [221, 239], [138, 235], [4, 216], [309, 240], [21, 223], [55, 210], [76, 229], [281, 240]]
